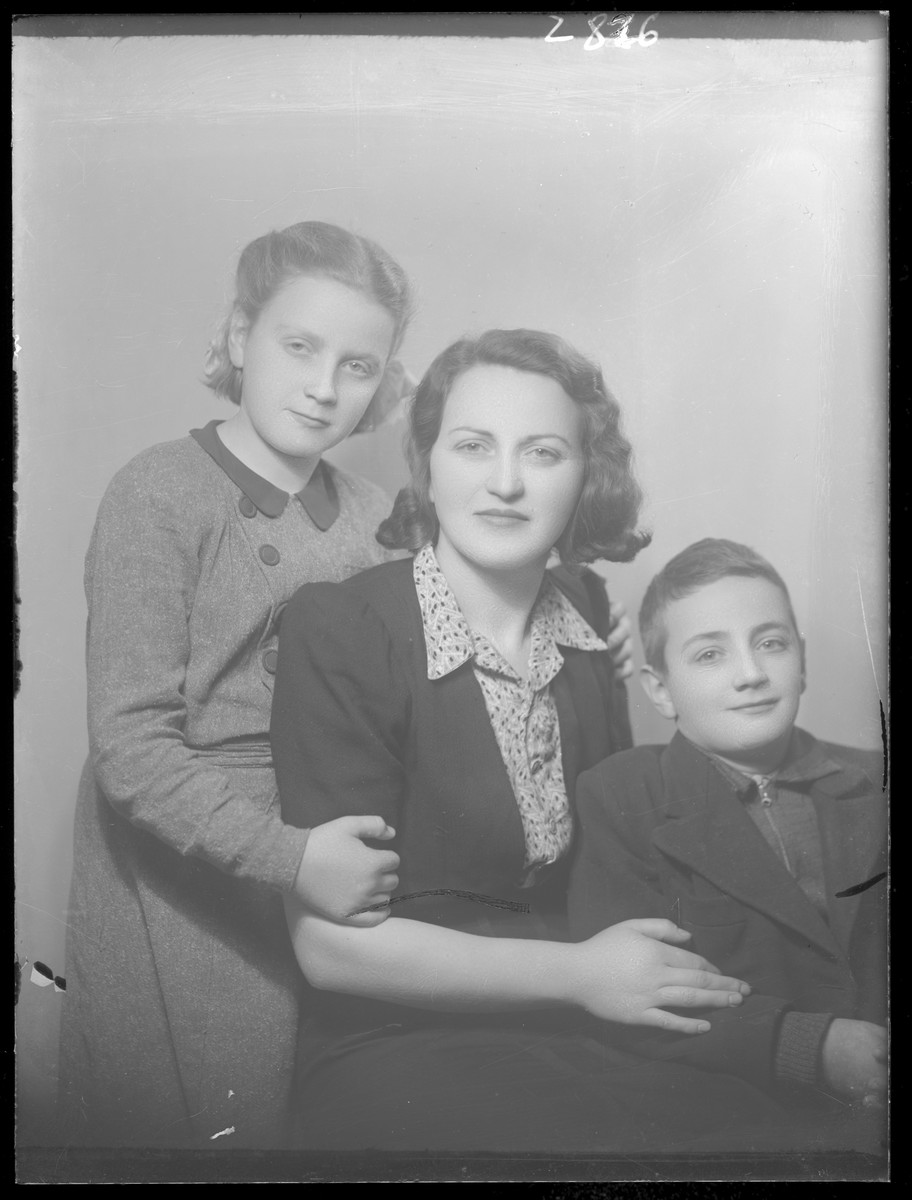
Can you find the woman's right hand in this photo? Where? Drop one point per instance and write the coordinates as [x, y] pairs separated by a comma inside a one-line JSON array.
[[339, 877], [632, 971]]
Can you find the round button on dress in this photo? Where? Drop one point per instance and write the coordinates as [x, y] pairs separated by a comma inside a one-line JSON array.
[[269, 555], [271, 661], [247, 507]]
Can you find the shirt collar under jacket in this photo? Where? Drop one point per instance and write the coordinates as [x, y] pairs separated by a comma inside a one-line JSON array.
[[318, 497], [805, 763], [450, 642]]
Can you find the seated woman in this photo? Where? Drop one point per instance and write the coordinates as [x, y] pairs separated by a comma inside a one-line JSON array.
[[458, 693]]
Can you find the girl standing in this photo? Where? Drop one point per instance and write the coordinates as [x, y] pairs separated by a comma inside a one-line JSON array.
[[182, 999]]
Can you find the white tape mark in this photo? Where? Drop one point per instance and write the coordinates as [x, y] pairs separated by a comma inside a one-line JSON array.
[[222, 1133]]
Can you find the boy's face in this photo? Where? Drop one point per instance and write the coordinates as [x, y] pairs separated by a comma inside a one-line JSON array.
[[734, 671]]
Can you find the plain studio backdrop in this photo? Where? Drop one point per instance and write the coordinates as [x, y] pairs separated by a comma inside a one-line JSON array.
[[704, 215]]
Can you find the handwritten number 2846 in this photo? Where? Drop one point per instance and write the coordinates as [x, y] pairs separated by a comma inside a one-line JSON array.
[[596, 40]]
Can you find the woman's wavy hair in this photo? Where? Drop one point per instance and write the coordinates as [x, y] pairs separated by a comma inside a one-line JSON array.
[[604, 524], [308, 248]]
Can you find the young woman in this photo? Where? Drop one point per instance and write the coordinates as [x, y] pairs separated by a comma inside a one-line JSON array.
[[458, 694], [181, 1005]]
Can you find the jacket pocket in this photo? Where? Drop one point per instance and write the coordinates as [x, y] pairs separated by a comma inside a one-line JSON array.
[[710, 911], [719, 927]]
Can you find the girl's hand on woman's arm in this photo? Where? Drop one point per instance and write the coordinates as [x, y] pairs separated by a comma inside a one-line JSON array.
[[633, 971], [339, 875]]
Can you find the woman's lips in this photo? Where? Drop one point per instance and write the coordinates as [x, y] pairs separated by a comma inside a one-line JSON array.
[[502, 516]]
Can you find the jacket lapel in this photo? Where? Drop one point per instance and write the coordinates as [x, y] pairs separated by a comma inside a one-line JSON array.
[[853, 836], [709, 832], [454, 709], [492, 795]]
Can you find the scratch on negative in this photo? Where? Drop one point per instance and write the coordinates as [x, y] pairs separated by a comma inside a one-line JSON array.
[[526, 1049], [171, 1124], [711, 237], [644, 312], [867, 634], [491, 901], [692, 496], [861, 887], [66, 924], [222, 1133]]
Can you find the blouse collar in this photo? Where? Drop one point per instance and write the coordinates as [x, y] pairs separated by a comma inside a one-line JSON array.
[[450, 642], [318, 497]]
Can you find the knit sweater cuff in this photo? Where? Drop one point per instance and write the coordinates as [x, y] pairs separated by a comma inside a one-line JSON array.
[[797, 1057], [281, 858]]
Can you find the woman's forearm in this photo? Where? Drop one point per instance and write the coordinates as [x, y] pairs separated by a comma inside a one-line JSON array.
[[628, 973], [426, 966]]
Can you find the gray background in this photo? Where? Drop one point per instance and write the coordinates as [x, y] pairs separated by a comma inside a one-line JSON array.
[[705, 216]]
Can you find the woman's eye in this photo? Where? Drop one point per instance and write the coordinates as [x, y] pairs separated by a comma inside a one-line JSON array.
[[298, 347], [773, 644], [544, 454], [470, 447], [707, 656]]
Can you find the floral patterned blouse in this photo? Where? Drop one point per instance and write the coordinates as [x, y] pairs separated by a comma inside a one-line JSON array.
[[522, 712]]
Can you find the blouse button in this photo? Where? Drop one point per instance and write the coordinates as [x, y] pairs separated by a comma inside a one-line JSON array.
[[247, 507], [271, 661], [269, 555]]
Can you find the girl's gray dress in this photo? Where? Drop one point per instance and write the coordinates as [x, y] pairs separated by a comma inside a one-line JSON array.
[[182, 995]]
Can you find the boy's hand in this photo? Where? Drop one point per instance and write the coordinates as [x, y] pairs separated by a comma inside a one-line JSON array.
[[855, 1061], [631, 974], [620, 640], [339, 875]]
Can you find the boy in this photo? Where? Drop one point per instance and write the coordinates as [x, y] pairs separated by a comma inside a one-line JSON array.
[[763, 842]]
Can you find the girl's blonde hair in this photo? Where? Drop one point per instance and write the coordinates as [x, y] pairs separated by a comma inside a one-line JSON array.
[[308, 248]]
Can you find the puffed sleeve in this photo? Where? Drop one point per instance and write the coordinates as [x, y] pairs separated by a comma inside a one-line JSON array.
[[142, 572], [340, 710]]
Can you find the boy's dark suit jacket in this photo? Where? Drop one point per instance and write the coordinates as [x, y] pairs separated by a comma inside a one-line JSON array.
[[663, 834]]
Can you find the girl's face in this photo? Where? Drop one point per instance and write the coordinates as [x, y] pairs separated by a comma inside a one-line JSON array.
[[507, 468], [312, 361]]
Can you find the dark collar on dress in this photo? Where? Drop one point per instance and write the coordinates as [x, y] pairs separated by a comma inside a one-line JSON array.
[[318, 497]]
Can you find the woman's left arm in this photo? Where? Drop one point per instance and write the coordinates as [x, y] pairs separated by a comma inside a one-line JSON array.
[[340, 711], [627, 973]]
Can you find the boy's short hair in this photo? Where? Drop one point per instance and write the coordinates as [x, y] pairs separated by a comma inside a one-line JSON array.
[[700, 564]]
